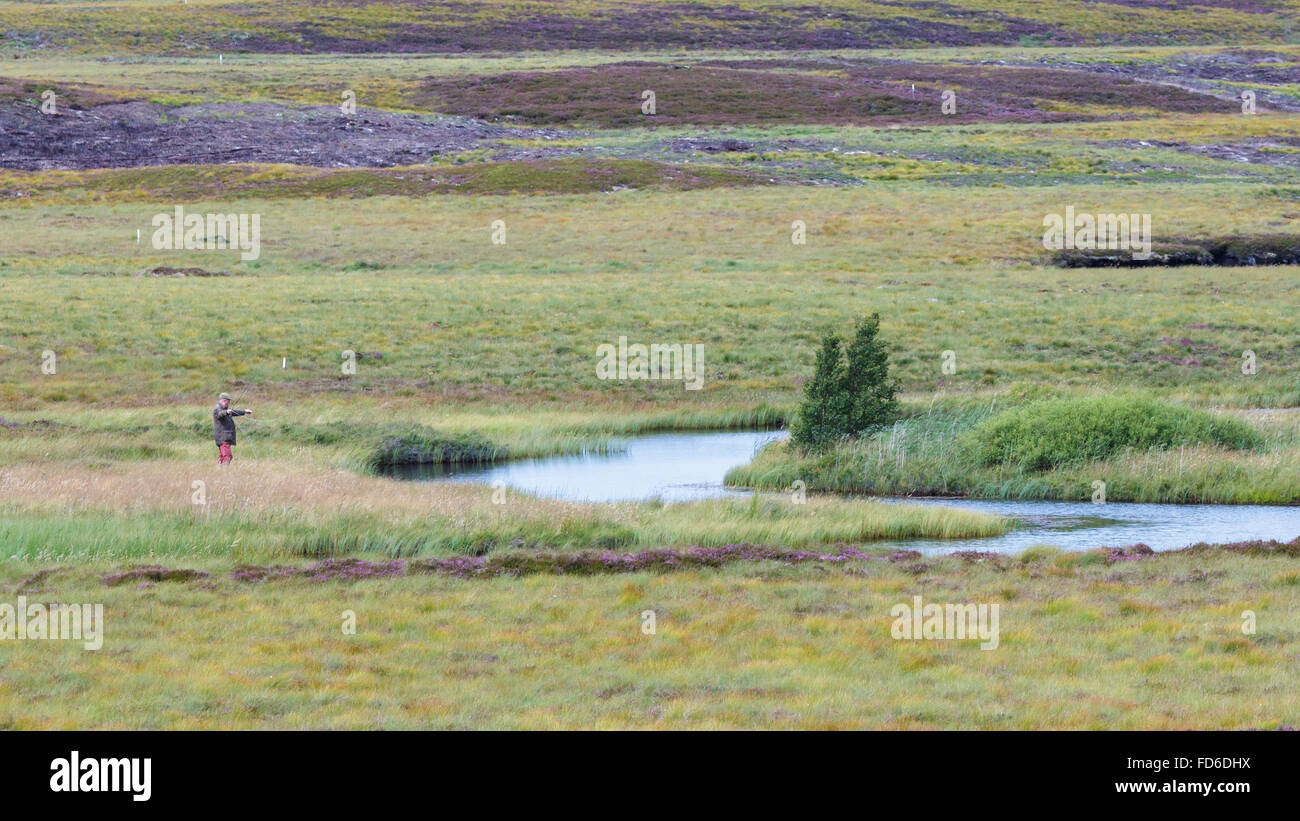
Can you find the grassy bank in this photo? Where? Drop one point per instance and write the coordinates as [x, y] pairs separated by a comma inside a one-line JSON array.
[[948, 449], [357, 432], [1084, 644], [259, 511]]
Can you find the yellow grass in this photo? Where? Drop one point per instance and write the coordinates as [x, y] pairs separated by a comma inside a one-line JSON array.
[[270, 509]]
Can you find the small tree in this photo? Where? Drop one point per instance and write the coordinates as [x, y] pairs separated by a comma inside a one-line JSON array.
[[822, 414], [848, 395], [871, 394]]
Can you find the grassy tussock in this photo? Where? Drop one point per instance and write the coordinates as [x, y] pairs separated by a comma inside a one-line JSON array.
[[1065, 432], [420, 445]]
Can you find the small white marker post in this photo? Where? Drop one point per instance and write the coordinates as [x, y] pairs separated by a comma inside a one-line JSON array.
[[283, 362], [137, 236]]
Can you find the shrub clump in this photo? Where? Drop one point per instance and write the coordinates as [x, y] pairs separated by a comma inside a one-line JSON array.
[[850, 393], [420, 445], [1059, 432]]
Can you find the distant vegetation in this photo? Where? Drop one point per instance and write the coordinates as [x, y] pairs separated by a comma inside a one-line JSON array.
[[801, 91], [1260, 249], [559, 176], [301, 27]]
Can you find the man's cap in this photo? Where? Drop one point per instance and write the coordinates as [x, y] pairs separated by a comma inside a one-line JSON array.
[[224, 396]]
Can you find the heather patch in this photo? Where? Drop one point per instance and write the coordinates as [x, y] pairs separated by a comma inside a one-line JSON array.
[[397, 26], [36, 581], [586, 562], [590, 562], [1125, 554], [611, 96], [1272, 75], [326, 570], [721, 92], [1254, 547], [153, 573], [1243, 6], [1014, 91], [76, 96], [1003, 87]]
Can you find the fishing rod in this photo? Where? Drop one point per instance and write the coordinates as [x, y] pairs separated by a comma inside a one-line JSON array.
[[248, 431], [252, 427]]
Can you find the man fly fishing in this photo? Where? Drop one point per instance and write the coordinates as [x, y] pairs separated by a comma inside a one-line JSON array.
[[223, 427]]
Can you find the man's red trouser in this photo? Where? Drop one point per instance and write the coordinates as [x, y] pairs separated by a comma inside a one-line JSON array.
[[223, 453]]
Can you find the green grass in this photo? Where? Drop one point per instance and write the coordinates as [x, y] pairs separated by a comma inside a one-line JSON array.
[[1083, 645], [419, 445], [460, 319], [560, 176]]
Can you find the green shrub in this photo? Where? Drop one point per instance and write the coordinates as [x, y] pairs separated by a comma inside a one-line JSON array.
[[850, 392], [1060, 432], [420, 445]]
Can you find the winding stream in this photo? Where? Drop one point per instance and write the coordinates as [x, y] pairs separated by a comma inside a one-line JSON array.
[[677, 467]]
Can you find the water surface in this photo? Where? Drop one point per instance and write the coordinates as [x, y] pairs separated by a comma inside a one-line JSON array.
[[1084, 525], [674, 467], [679, 467]]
